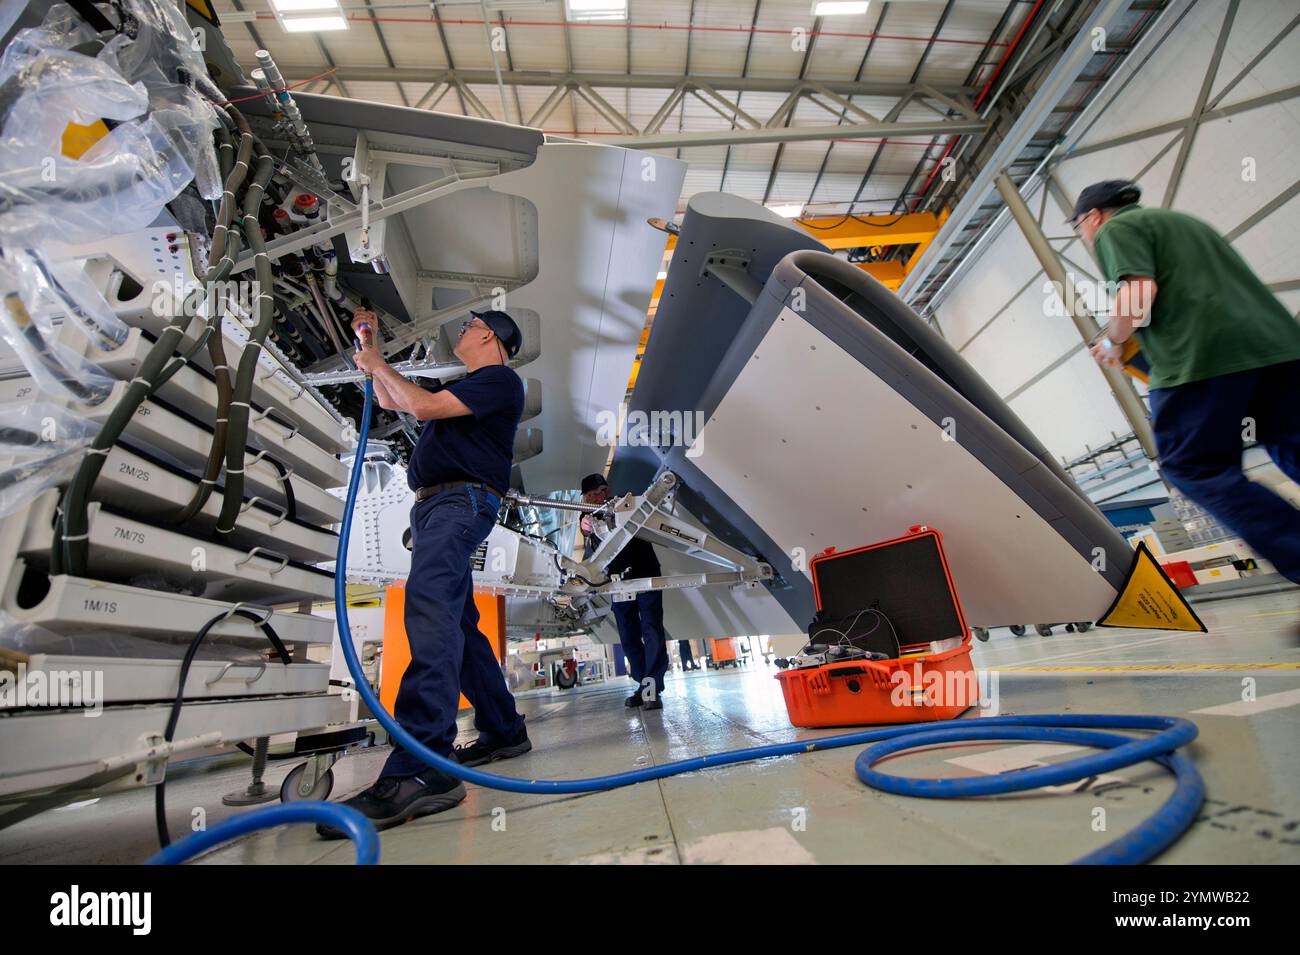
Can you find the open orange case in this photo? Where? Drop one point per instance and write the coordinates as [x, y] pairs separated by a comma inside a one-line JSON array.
[[908, 581]]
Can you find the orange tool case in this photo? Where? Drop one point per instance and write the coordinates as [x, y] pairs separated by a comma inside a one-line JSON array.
[[908, 581]]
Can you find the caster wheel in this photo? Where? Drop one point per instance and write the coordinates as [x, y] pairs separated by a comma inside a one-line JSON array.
[[1043, 629], [981, 634], [1069, 628], [1018, 629], [289, 791], [1082, 627]]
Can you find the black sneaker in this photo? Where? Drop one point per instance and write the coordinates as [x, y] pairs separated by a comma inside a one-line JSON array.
[[394, 800], [634, 700], [477, 753]]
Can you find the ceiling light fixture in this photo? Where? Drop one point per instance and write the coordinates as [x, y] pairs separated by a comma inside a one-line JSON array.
[[323, 15], [839, 8], [587, 10], [790, 210]]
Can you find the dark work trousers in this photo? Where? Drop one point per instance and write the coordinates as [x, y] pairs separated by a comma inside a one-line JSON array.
[[1199, 429], [449, 654], [684, 650], [641, 632]]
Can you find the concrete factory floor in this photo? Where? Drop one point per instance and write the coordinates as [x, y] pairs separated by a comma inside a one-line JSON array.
[[811, 808]]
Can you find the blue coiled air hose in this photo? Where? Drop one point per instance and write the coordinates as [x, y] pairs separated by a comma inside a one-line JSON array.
[[1139, 845]]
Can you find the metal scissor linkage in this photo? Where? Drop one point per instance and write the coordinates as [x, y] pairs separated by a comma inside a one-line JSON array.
[[652, 518]]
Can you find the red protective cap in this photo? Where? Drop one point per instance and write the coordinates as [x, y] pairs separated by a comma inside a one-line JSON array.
[[304, 200]]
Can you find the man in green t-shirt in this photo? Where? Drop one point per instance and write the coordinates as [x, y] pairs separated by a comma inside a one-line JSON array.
[[1224, 356]]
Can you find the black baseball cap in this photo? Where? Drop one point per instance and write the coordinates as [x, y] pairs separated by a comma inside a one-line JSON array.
[[1111, 194], [593, 481], [504, 327]]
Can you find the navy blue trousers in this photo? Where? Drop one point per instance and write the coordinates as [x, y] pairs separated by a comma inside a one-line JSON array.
[[449, 654], [1199, 429], [641, 632]]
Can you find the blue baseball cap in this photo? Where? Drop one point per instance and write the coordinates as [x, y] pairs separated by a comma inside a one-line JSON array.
[[504, 327]]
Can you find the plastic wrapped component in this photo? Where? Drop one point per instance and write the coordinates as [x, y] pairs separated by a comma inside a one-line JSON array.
[[118, 185], [137, 80], [163, 41], [155, 50], [41, 445], [64, 285], [30, 639], [163, 58], [148, 85], [52, 88], [27, 327], [191, 121]]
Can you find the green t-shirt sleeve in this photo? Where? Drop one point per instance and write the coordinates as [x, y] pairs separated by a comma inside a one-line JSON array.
[[1124, 249]]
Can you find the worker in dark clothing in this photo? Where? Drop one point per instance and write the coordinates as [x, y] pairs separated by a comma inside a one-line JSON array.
[[459, 469], [688, 658], [640, 620], [1224, 356]]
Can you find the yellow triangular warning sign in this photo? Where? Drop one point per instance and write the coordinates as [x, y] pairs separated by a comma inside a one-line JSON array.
[[1149, 600]]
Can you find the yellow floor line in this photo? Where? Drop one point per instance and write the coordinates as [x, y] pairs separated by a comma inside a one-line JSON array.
[[1275, 613], [1152, 666]]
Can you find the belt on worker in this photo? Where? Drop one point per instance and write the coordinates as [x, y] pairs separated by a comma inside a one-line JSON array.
[[428, 491]]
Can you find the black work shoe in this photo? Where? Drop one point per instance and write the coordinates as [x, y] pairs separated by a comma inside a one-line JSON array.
[[634, 700], [394, 800], [655, 704], [478, 752]]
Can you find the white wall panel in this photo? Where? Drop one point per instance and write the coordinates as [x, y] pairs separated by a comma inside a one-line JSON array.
[[1068, 406]]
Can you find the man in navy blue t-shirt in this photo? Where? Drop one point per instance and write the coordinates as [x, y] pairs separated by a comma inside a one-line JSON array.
[[459, 470]]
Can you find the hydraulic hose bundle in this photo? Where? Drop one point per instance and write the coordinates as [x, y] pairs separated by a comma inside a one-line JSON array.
[[231, 425], [70, 552], [234, 172], [240, 406], [1139, 845]]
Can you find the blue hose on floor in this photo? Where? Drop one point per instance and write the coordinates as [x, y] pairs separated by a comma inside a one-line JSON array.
[[1139, 845], [344, 818]]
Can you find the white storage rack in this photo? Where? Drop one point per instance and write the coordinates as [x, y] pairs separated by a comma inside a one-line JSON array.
[[267, 565]]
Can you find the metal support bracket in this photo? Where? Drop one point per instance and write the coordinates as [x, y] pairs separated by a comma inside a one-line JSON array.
[[154, 752], [651, 519], [731, 268], [610, 547]]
